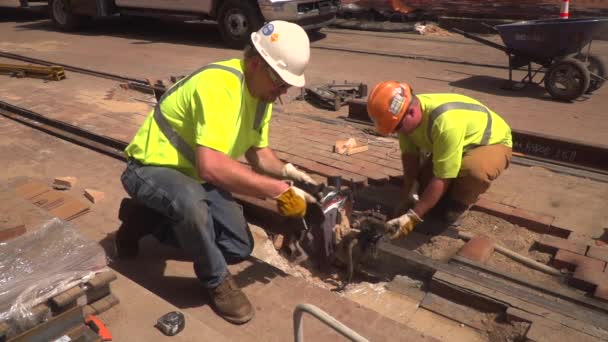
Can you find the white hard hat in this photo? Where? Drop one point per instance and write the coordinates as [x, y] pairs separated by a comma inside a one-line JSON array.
[[286, 48]]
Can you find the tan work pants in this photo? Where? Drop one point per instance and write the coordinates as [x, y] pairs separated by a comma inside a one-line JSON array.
[[480, 166]]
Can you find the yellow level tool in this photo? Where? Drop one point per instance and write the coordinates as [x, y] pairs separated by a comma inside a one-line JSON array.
[[52, 72]]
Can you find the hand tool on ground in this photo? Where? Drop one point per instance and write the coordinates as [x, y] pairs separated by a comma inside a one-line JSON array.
[[98, 327], [171, 323], [47, 72]]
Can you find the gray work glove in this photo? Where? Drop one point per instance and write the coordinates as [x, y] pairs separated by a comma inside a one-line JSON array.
[[290, 172]]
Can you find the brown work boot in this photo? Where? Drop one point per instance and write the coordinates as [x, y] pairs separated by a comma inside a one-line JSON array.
[[137, 222], [230, 302]]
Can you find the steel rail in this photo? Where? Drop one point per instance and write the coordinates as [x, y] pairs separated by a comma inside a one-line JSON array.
[[406, 56], [113, 147], [141, 84], [102, 144]]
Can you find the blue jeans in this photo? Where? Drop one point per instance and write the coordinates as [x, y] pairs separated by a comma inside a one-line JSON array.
[[205, 220]]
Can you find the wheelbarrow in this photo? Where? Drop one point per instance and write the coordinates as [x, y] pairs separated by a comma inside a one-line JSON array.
[[558, 46]]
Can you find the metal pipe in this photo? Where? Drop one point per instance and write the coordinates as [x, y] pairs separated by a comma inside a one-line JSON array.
[[324, 317], [517, 257]]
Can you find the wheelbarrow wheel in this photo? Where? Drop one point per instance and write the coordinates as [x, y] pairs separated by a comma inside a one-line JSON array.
[[567, 79], [598, 68]]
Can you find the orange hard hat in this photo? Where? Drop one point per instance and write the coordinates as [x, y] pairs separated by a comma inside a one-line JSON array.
[[387, 104]]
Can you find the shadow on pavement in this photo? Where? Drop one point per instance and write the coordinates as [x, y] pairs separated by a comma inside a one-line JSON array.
[[496, 86], [16, 14], [149, 267]]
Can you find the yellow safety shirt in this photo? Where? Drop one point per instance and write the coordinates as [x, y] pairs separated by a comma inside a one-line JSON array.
[[451, 125], [213, 108]]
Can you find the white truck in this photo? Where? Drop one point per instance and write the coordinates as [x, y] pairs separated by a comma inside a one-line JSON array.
[[236, 18]]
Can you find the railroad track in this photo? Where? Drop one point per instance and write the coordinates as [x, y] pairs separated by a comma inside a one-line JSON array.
[[560, 156], [405, 56], [530, 149]]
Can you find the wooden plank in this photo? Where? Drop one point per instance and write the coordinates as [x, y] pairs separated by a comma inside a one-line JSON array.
[[569, 295], [567, 314], [545, 331], [514, 314], [454, 311], [407, 262]]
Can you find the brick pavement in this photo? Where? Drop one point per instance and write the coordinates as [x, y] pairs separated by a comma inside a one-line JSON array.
[[582, 256], [274, 293]]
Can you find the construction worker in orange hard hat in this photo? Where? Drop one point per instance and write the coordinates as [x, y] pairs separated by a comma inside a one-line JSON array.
[[452, 148], [183, 166]]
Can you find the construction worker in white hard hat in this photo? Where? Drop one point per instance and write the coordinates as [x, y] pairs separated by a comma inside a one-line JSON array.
[[182, 164], [469, 147]]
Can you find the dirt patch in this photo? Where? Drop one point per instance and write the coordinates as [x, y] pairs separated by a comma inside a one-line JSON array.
[[508, 235], [508, 332], [515, 238]]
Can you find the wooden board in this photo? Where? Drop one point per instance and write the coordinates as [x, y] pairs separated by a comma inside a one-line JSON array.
[[454, 311], [566, 314]]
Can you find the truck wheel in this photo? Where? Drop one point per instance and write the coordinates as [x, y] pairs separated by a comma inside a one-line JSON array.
[[62, 15], [237, 19], [567, 79]]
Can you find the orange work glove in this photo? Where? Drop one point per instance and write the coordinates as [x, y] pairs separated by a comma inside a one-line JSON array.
[[293, 202]]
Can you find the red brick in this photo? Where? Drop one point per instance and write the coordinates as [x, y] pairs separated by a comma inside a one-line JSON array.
[[600, 253], [532, 220], [601, 292], [569, 260], [479, 249], [580, 238], [493, 208], [560, 231], [94, 196], [12, 232], [549, 243], [587, 278]]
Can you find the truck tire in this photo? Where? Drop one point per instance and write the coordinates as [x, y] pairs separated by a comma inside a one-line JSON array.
[[237, 19], [62, 15]]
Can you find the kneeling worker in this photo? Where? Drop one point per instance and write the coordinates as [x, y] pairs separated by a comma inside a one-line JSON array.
[[469, 147], [182, 162]]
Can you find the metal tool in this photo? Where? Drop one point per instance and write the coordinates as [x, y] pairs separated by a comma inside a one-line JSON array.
[[171, 323], [52, 72]]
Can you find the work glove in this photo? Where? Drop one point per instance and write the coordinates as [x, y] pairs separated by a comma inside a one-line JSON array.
[[290, 172], [402, 225], [293, 202], [408, 201]]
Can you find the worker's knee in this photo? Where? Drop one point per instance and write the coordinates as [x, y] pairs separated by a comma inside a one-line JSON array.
[[478, 177], [239, 251]]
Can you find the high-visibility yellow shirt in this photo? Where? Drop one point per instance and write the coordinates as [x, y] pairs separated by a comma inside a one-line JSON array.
[[451, 125], [211, 108]]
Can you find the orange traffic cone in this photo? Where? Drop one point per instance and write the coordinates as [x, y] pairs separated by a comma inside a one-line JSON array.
[[564, 13]]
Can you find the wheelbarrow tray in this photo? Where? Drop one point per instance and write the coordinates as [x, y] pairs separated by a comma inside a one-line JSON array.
[[546, 39]]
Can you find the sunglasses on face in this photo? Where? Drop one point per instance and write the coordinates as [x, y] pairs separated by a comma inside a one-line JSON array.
[[277, 81]]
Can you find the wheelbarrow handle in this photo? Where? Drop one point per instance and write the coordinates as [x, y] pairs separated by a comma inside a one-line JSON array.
[[479, 39], [490, 27]]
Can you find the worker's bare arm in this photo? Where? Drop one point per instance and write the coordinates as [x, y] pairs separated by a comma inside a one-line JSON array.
[[217, 168], [431, 195], [411, 167], [265, 161]]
